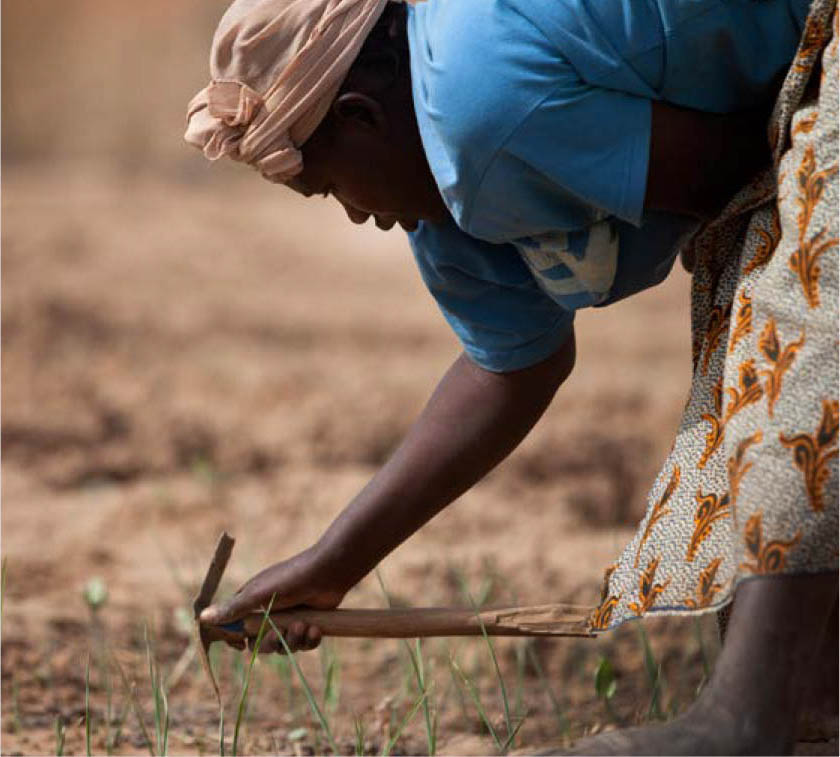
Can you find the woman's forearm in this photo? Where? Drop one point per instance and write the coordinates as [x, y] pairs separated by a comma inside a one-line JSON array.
[[473, 420]]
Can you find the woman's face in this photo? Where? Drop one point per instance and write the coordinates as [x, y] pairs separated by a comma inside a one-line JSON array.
[[370, 158]]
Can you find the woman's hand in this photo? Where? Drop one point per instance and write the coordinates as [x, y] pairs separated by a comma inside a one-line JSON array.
[[303, 580]]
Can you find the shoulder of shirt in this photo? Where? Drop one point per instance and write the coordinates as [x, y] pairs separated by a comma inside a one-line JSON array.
[[485, 65]]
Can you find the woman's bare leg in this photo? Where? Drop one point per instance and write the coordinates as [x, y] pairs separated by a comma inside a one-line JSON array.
[[752, 702]]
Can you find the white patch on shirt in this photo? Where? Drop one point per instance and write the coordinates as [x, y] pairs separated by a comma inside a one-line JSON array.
[[592, 274]]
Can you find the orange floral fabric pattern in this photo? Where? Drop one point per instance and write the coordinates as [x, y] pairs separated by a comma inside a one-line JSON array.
[[750, 486], [812, 454]]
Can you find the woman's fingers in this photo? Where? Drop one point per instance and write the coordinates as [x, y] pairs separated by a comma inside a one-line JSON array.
[[298, 636]]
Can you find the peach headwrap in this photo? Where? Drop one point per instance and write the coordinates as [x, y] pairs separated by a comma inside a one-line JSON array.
[[275, 67]]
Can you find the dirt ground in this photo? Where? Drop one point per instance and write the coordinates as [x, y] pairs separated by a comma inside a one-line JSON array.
[[187, 349]]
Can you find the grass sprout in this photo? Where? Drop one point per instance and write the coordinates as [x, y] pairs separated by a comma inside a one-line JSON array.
[[502, 688], [307, 690], [329, 670], [474, 695], [246, 683], [3, 585], [605, 687], [358, 736], [87, 708], [654, 674], [562, 720], [386, 750], [415, 656], [135, 705], [59, 736], [430, 718], [158, 696], [95, 593], [17, 725]]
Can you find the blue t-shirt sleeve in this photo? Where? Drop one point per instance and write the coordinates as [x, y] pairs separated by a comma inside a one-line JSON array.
[[504, 321], [581, 144]]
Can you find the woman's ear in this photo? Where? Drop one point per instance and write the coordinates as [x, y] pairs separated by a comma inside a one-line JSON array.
[[358, 107]]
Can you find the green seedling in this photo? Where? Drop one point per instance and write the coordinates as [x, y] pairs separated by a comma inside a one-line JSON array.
[[704, 656], [59, 736], [307, 690], [87, 708], [159, 698], [329, 672], [281, 664], [511, 729], [386, 750], [654, 674], [95, 594], [17, 725], [474, 695], [243, 697], [415, 656], [135, 705], [606, 686], [3, 585], [358, 736], [534, 659], [117, 736], [298, 734], [430, 718]]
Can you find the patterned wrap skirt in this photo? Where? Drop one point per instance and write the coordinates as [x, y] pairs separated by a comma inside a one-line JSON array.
[[751, 484]]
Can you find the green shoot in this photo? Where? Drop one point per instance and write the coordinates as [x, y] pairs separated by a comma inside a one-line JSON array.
[[473, 692], [17, 725], [329, 670], [159, 695], [490, 647], [359, 734], [105, 675], [521, 650], [95, 594], [654, 673], [87, 707], [281, 664], [416, 658], [386, 750], [512, 735], [3, 585], [430, 718], [117, 737], [298, 734], [605, 687], [316, 710], [59, 736], [135, 705], [243, 698], [562, 721]]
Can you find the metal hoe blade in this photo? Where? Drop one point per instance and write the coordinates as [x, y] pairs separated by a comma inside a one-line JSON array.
[[203, 599]]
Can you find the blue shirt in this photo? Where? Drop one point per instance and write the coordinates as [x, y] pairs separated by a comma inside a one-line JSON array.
[[535, 119]]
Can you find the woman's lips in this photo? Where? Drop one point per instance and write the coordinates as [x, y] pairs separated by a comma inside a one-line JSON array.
[[382, 221]]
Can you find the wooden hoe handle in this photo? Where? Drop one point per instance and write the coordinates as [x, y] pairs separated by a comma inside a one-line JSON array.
[[543, 620]]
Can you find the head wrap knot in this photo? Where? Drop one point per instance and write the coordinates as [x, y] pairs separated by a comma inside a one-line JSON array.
[[276, 66], [232, 102]]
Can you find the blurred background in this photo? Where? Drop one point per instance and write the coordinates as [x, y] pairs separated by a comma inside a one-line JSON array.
[[187, 348]]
